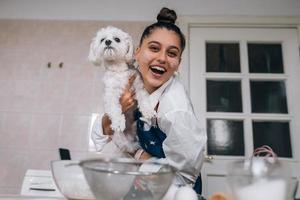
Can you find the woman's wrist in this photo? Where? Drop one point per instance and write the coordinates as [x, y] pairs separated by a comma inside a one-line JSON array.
[[141, 154], [138, 154]]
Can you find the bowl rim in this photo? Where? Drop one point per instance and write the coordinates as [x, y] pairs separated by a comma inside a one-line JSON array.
[[84, 165]]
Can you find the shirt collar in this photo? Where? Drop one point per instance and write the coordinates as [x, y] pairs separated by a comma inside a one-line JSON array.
[[155, 96]]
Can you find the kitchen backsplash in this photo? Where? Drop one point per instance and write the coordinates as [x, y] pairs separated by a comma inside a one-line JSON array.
[[49, 92]]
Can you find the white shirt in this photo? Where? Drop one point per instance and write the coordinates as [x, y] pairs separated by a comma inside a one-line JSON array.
[[185, 141]]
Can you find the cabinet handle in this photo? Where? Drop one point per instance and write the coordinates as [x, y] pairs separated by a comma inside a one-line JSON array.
[[208, 158]]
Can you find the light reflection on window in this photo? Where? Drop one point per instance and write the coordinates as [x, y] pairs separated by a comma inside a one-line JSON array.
[[225, 137], [221, 131]]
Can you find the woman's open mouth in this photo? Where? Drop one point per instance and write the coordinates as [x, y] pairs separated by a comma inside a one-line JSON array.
[[157, 70]]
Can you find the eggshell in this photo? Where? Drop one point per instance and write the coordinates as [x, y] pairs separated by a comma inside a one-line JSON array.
[[170, 195], [186, 193]]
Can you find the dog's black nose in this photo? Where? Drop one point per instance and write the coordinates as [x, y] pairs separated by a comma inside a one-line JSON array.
[[107, 42]]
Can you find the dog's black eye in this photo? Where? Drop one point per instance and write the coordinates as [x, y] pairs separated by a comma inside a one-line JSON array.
[[117, 39], [101, 40]]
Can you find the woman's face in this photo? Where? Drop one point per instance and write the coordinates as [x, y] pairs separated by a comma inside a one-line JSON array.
[[158, 57]]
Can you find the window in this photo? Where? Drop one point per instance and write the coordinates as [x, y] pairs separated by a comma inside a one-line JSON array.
[[243, 76]]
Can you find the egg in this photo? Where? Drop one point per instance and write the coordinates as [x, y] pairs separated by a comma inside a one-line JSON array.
[[170, 195], [186, 193], [219, 196]]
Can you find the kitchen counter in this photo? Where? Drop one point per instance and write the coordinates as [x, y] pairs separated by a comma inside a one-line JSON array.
[[20, 197]]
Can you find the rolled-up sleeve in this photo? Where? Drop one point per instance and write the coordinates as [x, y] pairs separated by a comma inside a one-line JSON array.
[[185, 142], [97, 136]]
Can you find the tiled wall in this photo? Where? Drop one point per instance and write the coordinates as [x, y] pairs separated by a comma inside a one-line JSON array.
[[42, 108]]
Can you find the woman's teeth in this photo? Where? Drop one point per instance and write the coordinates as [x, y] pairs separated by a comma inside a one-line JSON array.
[[158, 70]]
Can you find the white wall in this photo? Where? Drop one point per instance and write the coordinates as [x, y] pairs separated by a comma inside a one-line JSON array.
[[141, 10], [42, 108]]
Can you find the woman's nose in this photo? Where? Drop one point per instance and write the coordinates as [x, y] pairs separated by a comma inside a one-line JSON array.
[[162, 56]]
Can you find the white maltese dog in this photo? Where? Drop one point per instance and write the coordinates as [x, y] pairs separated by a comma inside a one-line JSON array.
[[112, 48]]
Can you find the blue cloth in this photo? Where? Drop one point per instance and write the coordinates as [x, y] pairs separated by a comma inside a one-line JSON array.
[[151, 141]]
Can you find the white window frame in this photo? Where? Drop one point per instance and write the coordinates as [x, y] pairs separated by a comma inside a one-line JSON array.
[[185, 22]]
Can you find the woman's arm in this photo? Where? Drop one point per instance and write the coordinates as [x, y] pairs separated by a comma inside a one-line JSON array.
[[185, 142], [97, 135]]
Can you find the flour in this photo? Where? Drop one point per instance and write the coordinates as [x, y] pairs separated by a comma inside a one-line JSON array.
[[263, 190], [75, 190]]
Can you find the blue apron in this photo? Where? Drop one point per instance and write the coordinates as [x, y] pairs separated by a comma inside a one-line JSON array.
[[151, 141]]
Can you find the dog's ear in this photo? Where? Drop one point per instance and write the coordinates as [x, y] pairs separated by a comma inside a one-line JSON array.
[[129, 53], [93, 54]]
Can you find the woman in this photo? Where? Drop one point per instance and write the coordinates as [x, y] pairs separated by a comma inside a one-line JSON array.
[[175, 134]]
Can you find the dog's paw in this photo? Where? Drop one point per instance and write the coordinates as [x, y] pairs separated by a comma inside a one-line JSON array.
[[149, 114], [116, 127], [119, 124], [122, 123], [120, 140]]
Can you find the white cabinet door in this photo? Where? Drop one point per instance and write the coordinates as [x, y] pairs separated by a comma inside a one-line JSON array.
[[245, 89]]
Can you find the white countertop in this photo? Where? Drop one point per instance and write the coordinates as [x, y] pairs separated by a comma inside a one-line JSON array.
[[20, 197]]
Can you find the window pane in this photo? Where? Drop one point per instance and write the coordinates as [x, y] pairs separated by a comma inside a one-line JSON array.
[[274, 134], [224, 96], [225, 137], [222, 57], [265, 58], [268, 97]]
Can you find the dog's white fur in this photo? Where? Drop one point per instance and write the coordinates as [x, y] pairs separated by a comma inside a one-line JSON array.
[[112, 48]]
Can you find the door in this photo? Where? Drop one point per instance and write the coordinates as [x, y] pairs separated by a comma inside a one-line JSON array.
[[245, 90]]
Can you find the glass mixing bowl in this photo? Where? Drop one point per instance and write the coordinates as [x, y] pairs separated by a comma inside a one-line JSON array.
[[260, 179], [124, 179], [69, 179]]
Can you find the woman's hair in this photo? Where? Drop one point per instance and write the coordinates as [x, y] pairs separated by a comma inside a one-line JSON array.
[[165, 19]]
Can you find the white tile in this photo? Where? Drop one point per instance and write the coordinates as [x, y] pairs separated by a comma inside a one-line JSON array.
[[40, 159], [15, 131], [75, 132], [14, 164], [45, 130], [78, 97]]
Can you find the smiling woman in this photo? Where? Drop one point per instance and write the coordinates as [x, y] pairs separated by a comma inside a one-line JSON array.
[[174, 134], [158, 57], [160, 49]]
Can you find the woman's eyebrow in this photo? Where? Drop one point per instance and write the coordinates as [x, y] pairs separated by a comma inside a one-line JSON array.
[[174, 47], [155, 42], [170, 47]]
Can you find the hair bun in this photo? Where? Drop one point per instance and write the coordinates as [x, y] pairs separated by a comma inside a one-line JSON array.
[[166, 15]]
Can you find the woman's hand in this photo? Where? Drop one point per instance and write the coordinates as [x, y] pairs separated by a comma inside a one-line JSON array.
[[106, 122], [127, 100], [145, 156]]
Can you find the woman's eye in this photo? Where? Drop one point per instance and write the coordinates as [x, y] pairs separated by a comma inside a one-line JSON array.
[[117, 39], [154, 48], [172, 54]]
